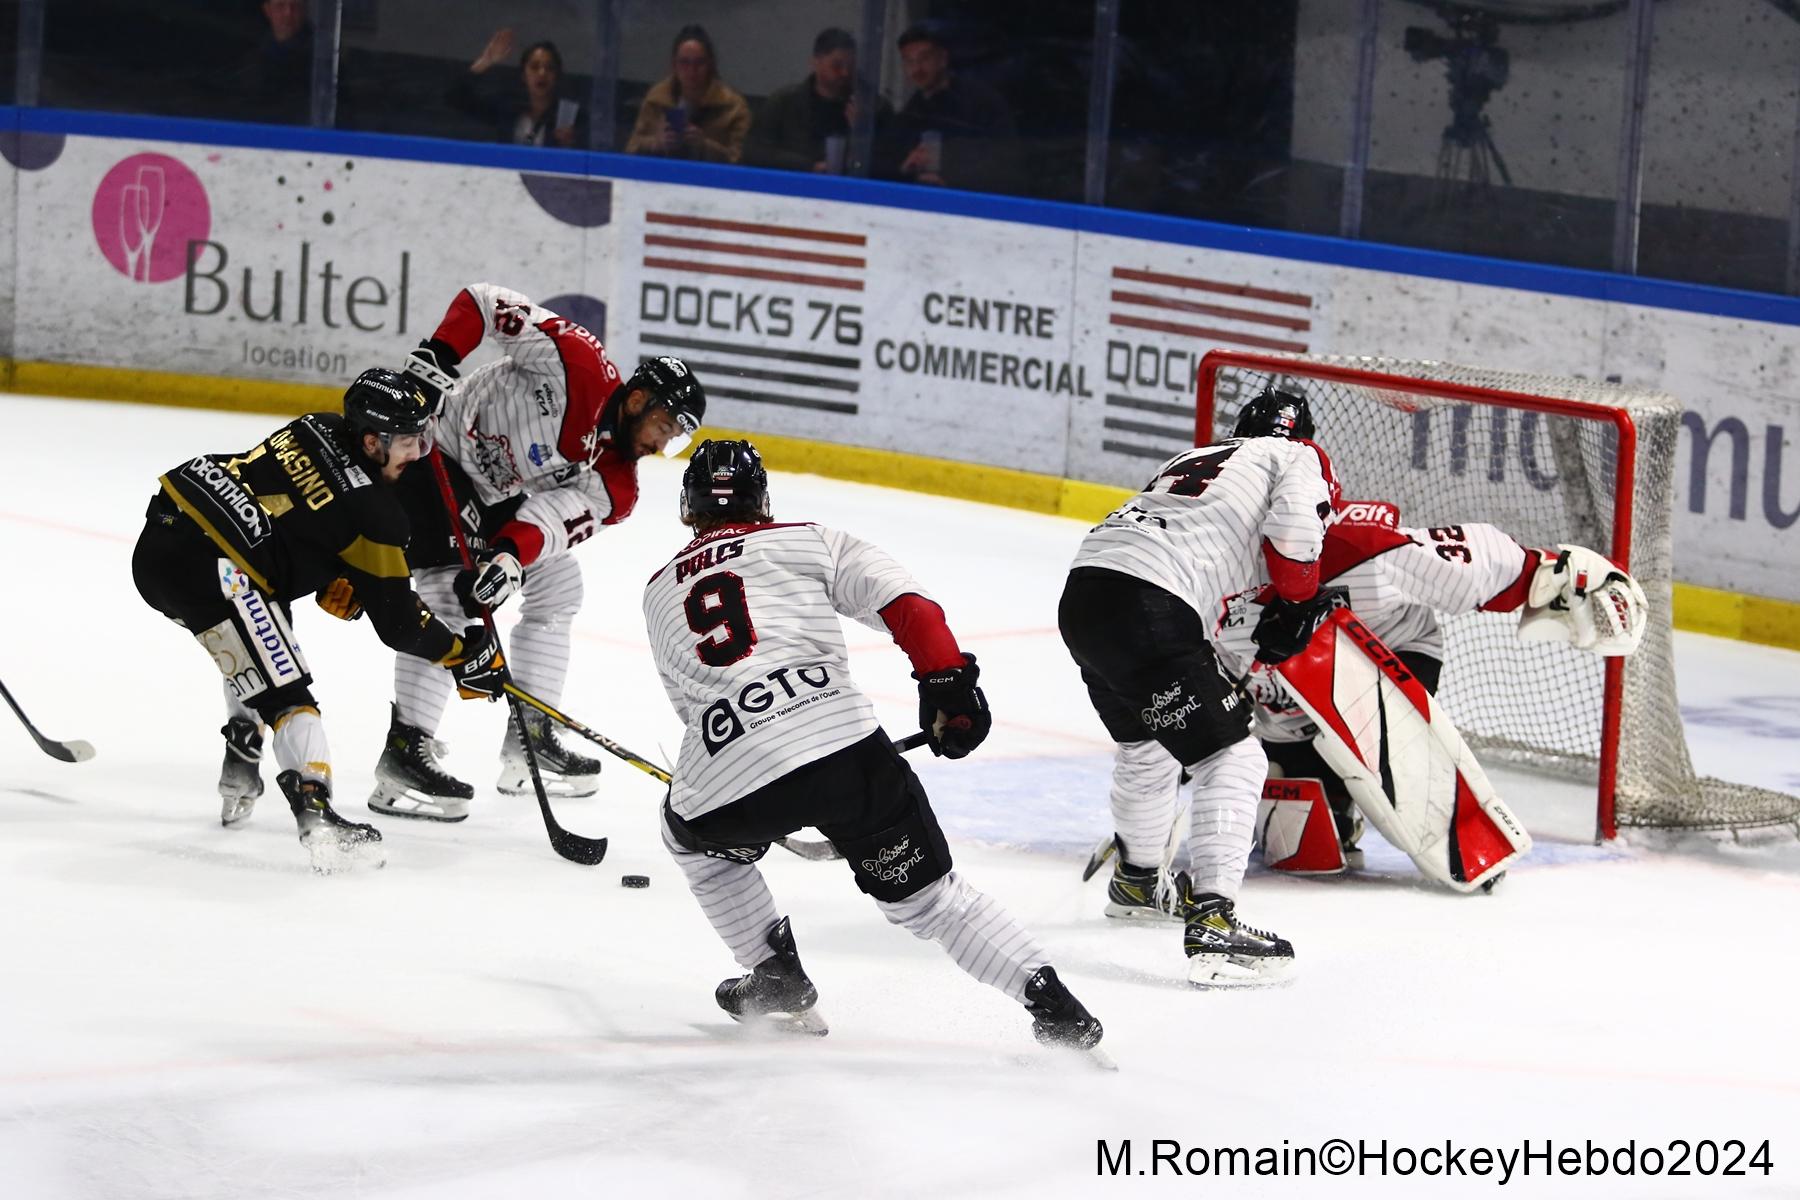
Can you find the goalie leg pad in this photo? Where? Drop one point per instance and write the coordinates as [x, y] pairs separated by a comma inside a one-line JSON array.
[[1401, 758], [1295, 828]]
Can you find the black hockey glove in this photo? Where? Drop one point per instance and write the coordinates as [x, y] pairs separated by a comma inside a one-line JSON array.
[[1286, 626], [339, 599], [478, 668], [489, 583], [433, 367], [953, 713]]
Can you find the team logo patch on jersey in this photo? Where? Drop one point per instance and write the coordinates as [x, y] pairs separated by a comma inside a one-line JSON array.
[[729, 718], [539, 454]]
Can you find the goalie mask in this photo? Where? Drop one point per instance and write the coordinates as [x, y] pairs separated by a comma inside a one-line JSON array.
[[725, 480], [1275, 413]]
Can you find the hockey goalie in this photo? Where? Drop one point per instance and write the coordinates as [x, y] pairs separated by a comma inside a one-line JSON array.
[[1352, 726]]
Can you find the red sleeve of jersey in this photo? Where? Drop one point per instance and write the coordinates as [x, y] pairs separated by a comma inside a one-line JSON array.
[[618, 475], [593, 382], [462, 326], [1514, 594], [527, 538], [1293, 579], [1351, 543], [919, 628]]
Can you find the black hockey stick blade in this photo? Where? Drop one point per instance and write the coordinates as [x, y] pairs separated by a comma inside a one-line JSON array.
[[572, 846], [71, 751], [823, 851], [1108, 846]]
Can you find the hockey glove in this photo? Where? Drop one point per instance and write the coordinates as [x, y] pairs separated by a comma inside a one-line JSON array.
[[433, 367], [339, 599], [477, 666], [489, 583], [1286, 626], [953, 713]]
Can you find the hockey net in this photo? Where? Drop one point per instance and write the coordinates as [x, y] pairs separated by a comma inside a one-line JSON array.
[[1548, 460]]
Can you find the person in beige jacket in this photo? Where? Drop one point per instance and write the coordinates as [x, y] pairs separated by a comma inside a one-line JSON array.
[[693, 113]]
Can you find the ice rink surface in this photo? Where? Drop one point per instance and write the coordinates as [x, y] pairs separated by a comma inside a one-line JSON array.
[[186, 1011]]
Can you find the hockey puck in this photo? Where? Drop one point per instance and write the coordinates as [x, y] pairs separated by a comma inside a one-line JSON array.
[[634, 881]]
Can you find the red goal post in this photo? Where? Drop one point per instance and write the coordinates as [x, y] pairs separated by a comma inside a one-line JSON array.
[[1548, 460]]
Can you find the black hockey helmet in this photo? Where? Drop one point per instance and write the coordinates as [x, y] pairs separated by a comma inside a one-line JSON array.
[[1275, 413], [388, 404], [672, 386], [725, 479]]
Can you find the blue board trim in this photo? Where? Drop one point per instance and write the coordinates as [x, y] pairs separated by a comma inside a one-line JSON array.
[[1330, 251]]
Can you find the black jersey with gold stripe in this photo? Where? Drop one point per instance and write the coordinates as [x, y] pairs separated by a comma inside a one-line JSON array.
[[303, 507]]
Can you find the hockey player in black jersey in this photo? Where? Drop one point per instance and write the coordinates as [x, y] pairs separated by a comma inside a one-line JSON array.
[[231, 539]]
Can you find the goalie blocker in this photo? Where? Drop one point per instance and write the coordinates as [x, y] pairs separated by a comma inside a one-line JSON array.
[[1403, 762]]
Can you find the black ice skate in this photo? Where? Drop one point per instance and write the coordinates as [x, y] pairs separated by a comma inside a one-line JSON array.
[[1059, 1019], [240, 778], [776, 994], [564, 772], [333, 843], [1349, 822], [1222, 952], [409, 782], [1146, 893]]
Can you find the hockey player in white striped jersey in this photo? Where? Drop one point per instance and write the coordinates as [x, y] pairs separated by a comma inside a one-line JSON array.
[[1140, 614], [1399, 582], [744, 625], [541, 447]]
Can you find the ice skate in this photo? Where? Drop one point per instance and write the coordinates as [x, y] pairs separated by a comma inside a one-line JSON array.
[[1059, 1019], [1222, 952], [1145, 893], [333, 843], [409, 782], [564, 772], [1349, 822], [776, 994], [240, 778]]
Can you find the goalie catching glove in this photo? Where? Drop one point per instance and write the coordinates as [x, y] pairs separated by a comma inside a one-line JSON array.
[[489, 583], [1286, 626], [478, 666], [1581, 598], [953, 712]]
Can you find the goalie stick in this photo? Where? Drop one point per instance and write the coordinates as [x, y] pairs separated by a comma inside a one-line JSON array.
[[572, 846], [72, 751]]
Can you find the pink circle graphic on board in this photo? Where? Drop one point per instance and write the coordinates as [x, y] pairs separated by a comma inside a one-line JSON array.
[[146, 211]]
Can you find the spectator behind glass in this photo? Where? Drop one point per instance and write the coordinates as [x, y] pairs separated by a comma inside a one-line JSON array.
[[955, 131], [528, 113], [795, 121], [692, 113], [274, 83]]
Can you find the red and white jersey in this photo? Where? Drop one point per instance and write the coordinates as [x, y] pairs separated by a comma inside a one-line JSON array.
[[1199, 529], [536, 420], [1400, 581], [744, 625]]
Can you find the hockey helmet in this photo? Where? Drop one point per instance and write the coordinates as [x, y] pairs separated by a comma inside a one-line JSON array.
[[389, 404], [725, 479], [1275, 413], [673, 387]]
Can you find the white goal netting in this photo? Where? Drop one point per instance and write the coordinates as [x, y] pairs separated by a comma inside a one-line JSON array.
[[1548, 460]]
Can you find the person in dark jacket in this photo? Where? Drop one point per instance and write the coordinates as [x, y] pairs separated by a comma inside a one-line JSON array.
[[796, 126], [530, 114], [954, 131]]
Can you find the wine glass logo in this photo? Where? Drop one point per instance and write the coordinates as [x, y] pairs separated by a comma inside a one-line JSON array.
[[140, 216], [148, 210]]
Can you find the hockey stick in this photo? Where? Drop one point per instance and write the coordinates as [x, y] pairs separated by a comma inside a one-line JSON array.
[[572, 846], [71, 751], [820, 851]]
